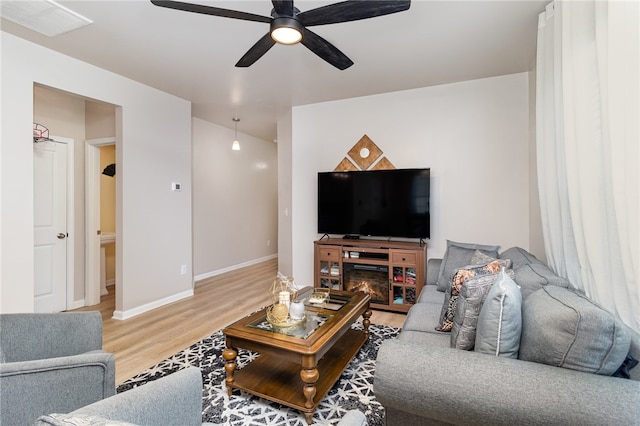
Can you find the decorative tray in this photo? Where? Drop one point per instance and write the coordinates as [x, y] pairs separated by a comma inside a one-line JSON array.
[[281, 323], [318, 297]]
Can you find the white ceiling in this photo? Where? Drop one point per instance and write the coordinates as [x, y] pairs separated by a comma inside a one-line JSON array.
[[193, 56]]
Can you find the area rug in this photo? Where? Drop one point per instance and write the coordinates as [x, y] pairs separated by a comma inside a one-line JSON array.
[[353, 390]]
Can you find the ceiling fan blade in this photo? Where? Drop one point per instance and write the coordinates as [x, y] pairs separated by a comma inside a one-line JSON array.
[[210, 10], [325, 50], [257, 50], [283, 7], [351, 10]]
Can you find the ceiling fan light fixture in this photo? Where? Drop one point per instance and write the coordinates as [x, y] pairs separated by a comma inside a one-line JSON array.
[[235, 146], [285, 30]]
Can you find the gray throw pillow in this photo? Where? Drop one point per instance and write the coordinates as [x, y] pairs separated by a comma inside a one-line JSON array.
[[457, 256], [564, 328], [519, 257], [472, 297], [500, 320], [533, 276]]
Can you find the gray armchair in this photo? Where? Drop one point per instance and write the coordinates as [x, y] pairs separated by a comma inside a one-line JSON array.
[[51, 363]]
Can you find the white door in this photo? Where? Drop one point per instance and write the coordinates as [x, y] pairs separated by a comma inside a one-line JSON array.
[[50, 226]]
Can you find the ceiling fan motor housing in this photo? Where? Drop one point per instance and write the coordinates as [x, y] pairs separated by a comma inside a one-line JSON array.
[[287, 24]]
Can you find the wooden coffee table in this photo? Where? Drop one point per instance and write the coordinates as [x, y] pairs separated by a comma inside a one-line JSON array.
[[298, 365]]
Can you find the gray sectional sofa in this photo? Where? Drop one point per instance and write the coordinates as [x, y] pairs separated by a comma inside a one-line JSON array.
[[559, 373]]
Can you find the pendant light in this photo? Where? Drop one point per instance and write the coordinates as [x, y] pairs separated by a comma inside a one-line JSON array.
[[236, 144]]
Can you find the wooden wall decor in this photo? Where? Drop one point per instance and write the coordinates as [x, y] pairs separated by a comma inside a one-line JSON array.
[[383, 164], [345, 166], [362, 155]]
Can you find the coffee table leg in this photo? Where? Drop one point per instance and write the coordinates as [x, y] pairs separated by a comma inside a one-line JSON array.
[[229, 354], [309, 376], [366, 322]]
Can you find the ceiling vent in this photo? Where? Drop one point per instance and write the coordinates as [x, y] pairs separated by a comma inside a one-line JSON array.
[[44, 16]]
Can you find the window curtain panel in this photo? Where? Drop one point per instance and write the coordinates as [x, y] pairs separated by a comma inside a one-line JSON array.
[[587, 138]]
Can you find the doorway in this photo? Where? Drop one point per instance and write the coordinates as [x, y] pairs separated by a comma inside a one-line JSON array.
[[78, 118], [97, 244]]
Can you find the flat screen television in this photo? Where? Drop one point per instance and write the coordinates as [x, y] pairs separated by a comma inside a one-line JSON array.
[[379, 203]]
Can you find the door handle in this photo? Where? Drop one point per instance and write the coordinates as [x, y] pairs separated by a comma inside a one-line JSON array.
[[62, 236]]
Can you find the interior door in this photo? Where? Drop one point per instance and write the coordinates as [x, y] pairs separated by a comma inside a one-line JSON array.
[[50, 226]]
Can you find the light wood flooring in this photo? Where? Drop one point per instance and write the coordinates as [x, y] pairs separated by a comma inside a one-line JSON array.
[[144, 340]]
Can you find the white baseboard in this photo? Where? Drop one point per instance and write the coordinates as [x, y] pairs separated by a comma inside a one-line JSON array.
[[110, 282], [206, 275], [123, 315]]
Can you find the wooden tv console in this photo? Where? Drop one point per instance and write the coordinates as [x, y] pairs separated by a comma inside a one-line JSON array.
[[394, 272]]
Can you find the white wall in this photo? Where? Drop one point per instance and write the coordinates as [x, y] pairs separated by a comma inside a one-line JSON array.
[[473, 135], [153, 148], [235, 200], [285, 231]]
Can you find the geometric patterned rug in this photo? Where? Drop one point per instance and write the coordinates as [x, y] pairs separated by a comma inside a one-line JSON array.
[[353, 390]]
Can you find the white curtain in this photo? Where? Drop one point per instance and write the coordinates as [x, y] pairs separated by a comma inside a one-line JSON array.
[[587, 114]]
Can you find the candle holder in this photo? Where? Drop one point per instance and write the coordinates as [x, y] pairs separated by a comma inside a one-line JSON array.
[[284, 291]]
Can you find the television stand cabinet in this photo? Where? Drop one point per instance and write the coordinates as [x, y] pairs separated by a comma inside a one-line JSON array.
[[393, 272]]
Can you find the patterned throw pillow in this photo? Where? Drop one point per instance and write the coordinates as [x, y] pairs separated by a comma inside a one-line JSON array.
[[449, 308], [478, 258], [471, 299], [458, 255], [57, 419]]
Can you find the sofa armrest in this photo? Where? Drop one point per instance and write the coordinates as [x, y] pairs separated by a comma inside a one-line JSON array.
[[462, 387], [25, 337], [433, 270], [54, 385], [175, 399]]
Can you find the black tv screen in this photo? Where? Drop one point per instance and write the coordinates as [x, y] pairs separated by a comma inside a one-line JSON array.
[[380, 203]]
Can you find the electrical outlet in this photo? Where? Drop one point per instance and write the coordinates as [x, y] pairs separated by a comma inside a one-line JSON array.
[[183, 269]]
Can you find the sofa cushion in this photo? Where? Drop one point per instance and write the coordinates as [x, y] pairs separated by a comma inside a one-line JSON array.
[[470, 301], [430, 294], [500, 319], [534, 276], [423, 317], [458, 255], [431, 340], [564, 328], [519, 257], [77, 420]]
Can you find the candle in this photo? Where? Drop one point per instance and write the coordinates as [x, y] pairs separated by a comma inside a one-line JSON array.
[[285, 298]]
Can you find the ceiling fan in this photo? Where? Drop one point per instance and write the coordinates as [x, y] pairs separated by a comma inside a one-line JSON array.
[[289, 26]]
